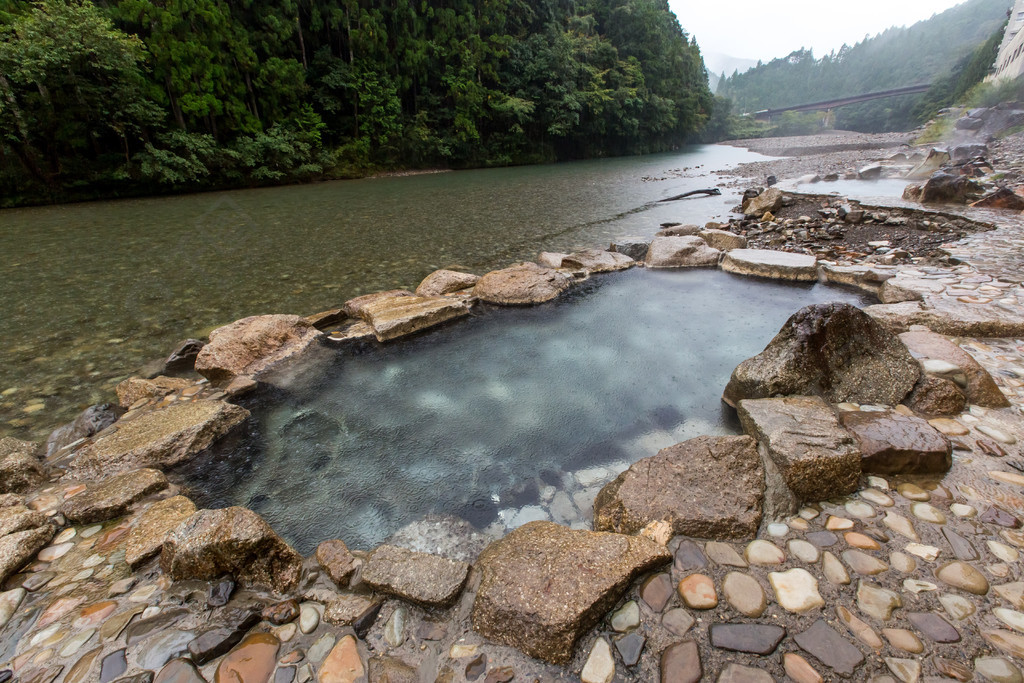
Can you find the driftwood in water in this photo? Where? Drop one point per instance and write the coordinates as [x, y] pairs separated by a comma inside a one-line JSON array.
[[709, 192]]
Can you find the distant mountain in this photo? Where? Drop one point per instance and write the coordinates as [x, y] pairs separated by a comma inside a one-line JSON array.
[[720, 65], [896, 57]]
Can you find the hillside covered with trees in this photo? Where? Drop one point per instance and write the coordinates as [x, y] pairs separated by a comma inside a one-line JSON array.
[[927, 52], [129, 96]]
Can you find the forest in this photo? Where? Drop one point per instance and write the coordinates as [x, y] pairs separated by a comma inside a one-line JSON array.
[[120, 97], [943, 51]]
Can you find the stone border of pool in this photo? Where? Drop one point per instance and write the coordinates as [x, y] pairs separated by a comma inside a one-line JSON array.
[[543, 587]]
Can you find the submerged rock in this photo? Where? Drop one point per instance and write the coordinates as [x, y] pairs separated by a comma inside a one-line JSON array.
[[891, 443], [681, 252], [544, 585], [775, 265], [418, 577], [597, 261], [182, 359], [234, 541], [708, 487], [831, 350], [135, 388], [808, 456], [160, 438], [252, 345], [442, 282], [90, 421], [522, 284], [113, 497]]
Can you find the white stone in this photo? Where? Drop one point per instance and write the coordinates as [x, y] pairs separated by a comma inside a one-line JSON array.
[[997, 669], [860, 509], [928, 513], [878, 483], [834, 570], [778, 529], [600, 666], [763, 552], [1003, 551], [803, 551], [75, 643], [961, 510], [309, 617], [1010, 617], [907, 670], [877, 497], [796, 590], [915, 586], [627, 617], [928, 553], [54, 552], [997, 434], [64, 536], [957, 607], [9, 603]]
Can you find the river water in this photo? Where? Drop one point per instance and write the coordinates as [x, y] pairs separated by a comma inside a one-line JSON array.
[[89, 292]]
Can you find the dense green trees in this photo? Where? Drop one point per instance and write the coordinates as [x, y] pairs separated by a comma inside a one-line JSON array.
[[148, 95], [897, 57]]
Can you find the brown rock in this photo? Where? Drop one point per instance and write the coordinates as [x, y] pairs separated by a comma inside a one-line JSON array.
[[18, 548], [254, 659], [354, 307], [234, 541], [343, 664], [161, 438], [19, 518], [946, 315], [681, 252], [544, 585], [147, 537], [948, 188], [442, 282], [252, 345], [768, 201], [981, 388], [335, 559], [934, 396], [808, 456], [424, 579], [597, 261], [1001, 198], [398, 316], [708, 487], [832, 350], [522, 284], [327, 319], [20, 469], [723, 240], [891, 443], [135, 388], [391, 670], [347, 609], [113, 497], [680, 663]]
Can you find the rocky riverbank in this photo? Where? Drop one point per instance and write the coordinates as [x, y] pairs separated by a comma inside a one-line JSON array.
[[879, 539]]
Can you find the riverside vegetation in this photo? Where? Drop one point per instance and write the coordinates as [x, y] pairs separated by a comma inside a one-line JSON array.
[[132, 96]]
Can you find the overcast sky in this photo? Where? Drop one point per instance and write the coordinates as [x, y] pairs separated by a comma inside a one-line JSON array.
[[759, 29]]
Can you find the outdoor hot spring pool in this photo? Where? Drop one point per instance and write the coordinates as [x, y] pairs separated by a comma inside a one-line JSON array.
[[509, 416]]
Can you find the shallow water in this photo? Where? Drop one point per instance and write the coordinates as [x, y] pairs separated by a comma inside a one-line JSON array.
[[88, 292], [884, 191], [515, 414]]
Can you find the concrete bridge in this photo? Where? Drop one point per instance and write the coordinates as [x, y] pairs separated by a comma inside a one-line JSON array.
[[829, 105]]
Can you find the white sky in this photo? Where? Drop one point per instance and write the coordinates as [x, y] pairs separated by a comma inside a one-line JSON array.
[[765, 29]]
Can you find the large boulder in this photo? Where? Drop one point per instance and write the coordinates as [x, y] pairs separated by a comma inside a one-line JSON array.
[[775, 265], [768, 201], [949, 316], [633, 247], [708, 487], [233, 541], [597, 261], [723, 240], [945, 188], [933, 162], [394, 317], [442, 282], [521, 285], [981, 389], [1001, 198], [160, 438], [808, 456], [15, 518], [544, 585], [249, 346], [20, 469], [18, 548], [90, 421], [354, 307], [891, 443], [681, 252], [113, 497], [424, 579], [147, 536], [182, 360], [935, 397], [831, 350], [136, 388]]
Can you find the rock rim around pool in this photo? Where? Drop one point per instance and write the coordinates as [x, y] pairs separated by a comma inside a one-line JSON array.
[[444, 281], [891, 443], [521, 285], [20, 469], [159, 438], [808, 456], [832, 350], [776, 265], [399, 316], [250, 346], [681, 252], [707, 487], [544, 585], [427, 580], [980, 388], [113, 497], [597, 261], [236, 541]]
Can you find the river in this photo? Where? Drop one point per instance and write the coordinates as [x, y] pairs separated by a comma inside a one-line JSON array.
[[90, 292]]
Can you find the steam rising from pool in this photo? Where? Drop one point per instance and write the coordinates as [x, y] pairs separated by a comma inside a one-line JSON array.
[[513, 415]]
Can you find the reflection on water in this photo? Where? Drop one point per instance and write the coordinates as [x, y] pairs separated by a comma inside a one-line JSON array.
[[513, 415], [90, 291]]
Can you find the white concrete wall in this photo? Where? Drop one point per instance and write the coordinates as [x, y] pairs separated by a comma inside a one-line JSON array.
[[1010, 60]]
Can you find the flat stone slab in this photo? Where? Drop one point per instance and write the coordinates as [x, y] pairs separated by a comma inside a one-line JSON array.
[[113, 497], [597, 261], [160, 438], [521, 285], [442, 282], [723, 240], [776, 265], [832, 649], [394, 317], [949, 317], [250, 346], [681, 252], [708, 487], [17, 518], [808, 456], [892, 443], [981, 389], [633, 247], [758, 639], [417, 577], [545, 585], [146, 538], [18, 548]]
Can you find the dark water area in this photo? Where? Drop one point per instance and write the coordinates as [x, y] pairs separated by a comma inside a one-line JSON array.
[[90, 292], [512, 415]]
